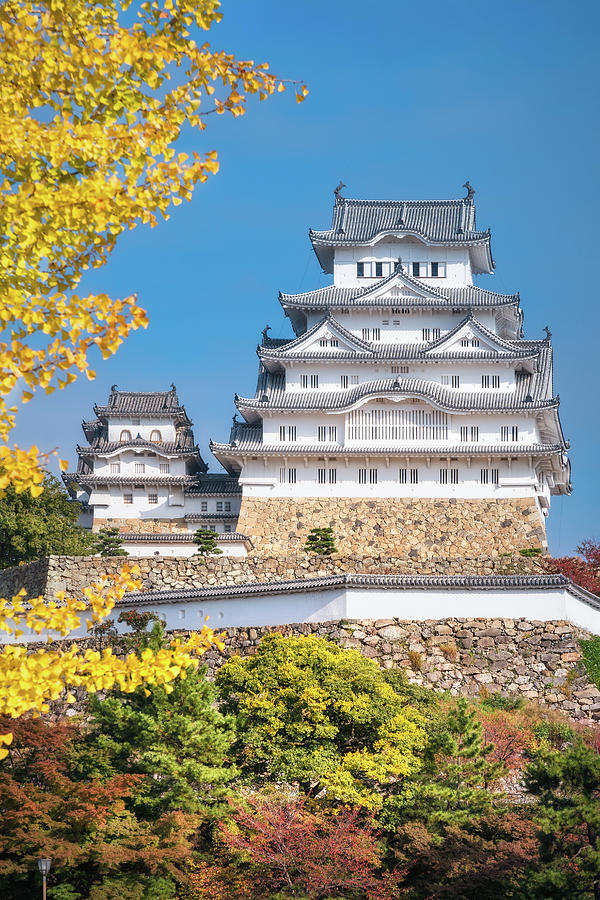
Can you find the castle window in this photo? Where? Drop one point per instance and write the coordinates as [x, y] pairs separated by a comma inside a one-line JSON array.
[[427, 334], [204, 506], [509, 432], [309, 381], [378, 269], [406, 475], [489, 476], [448, 476], [434, 269], [291, 476], [155, 436], [219, 506], [139, 468], [402, 473], [128, 498], [464, 342], [360, 269], [164, 468], [376, 334], [474, 433], [227, 529], [333, 434], [403, 310], [152, 498], [490, 381], [135, 421], [366, 334], [385, 322], [475, 343], [291, 432], [414, 476], [436, 333], [321, 475], [344, 381], [228, 506], [125, 435], [367, 476], [418, 269], [399, 370], [450, 380], [115, 468], [287, 475]]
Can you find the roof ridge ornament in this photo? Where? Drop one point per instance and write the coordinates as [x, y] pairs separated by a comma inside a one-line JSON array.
[[548, 334], [338, 192], [470, 192]]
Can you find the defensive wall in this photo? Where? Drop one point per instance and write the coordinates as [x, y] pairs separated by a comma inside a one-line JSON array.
[[72, 573], [421, 528]]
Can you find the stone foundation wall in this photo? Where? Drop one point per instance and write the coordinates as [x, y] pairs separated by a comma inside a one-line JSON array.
[[73, 573], [143, 526], [400, 526], [539, 661]]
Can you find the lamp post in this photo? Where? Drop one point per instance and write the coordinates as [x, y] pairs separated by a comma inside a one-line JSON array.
[[44, 867]]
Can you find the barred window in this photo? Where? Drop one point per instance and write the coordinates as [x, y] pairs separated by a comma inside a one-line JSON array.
[[399, 370], [125, 435], [128, 498], [402, 476], [219, 506], [139, 468], [203, 506], [155, 436], [414, 476], [287, 475], [115, 468], [228, 506], [164, 468], [152, 498]]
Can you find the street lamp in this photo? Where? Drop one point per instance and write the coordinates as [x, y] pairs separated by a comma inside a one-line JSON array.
[[44, 867]]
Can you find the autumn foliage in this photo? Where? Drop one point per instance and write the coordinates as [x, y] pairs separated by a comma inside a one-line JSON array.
[[584, 569]]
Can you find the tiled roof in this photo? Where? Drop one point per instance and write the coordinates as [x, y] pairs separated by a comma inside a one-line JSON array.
[[443, 449], [210, 517], [331, 296], [420, 582], [143, 478], [415, 351], [214, 486], [441, 221], [169, 448], [535, 386], [180, 537], [149, 403]]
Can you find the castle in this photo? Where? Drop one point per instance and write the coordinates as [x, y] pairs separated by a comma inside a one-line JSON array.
[[408, 412]]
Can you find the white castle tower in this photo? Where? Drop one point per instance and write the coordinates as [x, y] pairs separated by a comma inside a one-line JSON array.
[[409, 412], [142, 472]]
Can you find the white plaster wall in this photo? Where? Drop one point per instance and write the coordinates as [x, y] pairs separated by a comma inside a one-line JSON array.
[[410, 325], [458, 265], [145, 428], [330, 374], [260, 478], [169, 548], [410, 604], [127, 460]]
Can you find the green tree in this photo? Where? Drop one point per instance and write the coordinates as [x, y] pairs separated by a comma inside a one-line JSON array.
[[454, 784], [99, 848], [320, 541], [32, 527], [328, 719], [109, 542], [206, 541], [567, 785], [174, 736]]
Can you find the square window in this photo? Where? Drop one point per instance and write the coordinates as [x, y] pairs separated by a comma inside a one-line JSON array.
[[164, 468], [115, 468], [128, 499], [228, 506], [227, 529], [354, 379], [219, 506], [203, 506], [139, 468], [152, 498]]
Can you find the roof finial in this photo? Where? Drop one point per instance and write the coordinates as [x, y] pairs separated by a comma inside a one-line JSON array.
[[548, 332], [113, 388], [399, 267], [234, 419], [265, 332], [173, 388], [338, 192], [470, 190]]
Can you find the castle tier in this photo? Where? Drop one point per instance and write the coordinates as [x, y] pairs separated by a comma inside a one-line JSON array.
[[408, 412], [141, 471]]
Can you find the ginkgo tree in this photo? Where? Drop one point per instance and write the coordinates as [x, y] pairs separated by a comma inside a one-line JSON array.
[[94, 96]]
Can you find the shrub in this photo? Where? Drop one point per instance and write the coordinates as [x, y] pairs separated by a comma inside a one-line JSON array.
[[320, 541], [416, 660]]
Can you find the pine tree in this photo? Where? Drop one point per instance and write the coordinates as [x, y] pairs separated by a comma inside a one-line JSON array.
[[109, 542], [321, 541], [567, 785], [206, 541], [454, 785], [178, 740]]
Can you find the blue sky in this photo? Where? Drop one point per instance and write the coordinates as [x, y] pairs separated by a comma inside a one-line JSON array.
[[406, 101]]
